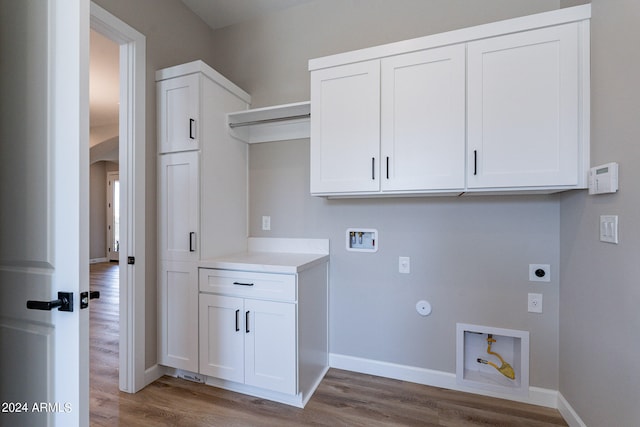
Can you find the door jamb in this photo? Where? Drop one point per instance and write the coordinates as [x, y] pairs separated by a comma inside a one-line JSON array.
[[132, 178]]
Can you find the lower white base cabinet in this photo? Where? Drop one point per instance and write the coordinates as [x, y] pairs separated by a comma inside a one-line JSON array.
[[249, 341], [265, 333]]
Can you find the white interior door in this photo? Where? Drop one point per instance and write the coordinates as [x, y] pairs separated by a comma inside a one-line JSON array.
[[44, 211]]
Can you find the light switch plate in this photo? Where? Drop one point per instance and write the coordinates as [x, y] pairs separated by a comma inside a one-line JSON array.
[[609, 228]]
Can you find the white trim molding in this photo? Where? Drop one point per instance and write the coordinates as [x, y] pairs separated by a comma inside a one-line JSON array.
[[132, 194], [537, 396], [568, 413]]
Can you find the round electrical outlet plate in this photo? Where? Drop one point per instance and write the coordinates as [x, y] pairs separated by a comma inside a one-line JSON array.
[[423, 308]]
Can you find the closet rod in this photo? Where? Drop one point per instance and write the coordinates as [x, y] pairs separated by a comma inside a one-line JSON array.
[[263, 121]]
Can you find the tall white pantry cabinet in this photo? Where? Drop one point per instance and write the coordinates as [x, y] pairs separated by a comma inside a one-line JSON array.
[[202, 196]]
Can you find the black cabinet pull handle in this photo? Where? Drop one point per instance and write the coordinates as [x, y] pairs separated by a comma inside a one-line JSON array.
[[63, 303], [242, 284], [191, 236], [475, 162], [191, 122], [246, 322], [387, 167], [237, 320], [373, 168]]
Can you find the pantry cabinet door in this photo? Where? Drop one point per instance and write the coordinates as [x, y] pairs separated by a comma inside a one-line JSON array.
[[345, 128], [523, 109], [222, 334], [423, 120], [179, 207], [270, 345], [179, 114], [178, 315]]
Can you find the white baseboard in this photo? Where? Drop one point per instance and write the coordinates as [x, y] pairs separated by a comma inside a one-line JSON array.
[[568, 413], [537, 396], [97, 260], [153, 373]]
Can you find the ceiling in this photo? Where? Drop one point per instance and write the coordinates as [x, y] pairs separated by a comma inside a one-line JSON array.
[[222, 13]]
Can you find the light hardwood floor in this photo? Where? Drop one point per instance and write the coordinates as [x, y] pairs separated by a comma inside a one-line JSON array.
[[343, 398]]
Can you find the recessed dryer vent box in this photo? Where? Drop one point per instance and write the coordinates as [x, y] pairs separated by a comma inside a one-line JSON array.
[[362, 239], [473, 369]]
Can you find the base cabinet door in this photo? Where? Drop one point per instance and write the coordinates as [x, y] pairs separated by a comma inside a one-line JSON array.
[[248, 341], [270, 345], [222, 337], [178, 315]]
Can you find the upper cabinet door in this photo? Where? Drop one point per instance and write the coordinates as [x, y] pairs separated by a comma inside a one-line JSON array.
[[179, 114], [523, 109], [345, 128], [423, 120]]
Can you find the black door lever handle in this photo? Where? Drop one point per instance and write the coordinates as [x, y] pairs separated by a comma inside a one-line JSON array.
[[63, 303]]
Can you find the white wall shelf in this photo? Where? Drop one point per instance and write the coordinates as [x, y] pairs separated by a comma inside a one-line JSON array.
[[277, 123]]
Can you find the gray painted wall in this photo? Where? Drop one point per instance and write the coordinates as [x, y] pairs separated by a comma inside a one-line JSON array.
[[599, 293], [469, 255]]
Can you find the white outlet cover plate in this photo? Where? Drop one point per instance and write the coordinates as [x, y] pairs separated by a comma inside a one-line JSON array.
[[534, 303], [404, 265]]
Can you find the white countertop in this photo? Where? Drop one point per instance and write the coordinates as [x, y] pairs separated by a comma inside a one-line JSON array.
[[266, 262]]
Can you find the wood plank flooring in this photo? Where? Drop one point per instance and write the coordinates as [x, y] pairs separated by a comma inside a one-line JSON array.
[[343, 398]]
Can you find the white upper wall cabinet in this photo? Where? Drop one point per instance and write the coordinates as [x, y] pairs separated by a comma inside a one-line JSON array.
[[501, 107], [345, 128], [423, 120], [523, 106]]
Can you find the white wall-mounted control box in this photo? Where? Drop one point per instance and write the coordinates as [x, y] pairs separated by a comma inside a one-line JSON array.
[[603, 179], [362, 239]]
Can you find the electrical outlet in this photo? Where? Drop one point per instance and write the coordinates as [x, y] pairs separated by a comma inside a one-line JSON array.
[[266, 223], [539, 273], [404, 264], [535, 303]]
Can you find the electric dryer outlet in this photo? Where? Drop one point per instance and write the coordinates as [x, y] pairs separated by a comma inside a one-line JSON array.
[[539, 272]]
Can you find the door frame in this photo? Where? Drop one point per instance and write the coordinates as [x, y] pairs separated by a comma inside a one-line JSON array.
[[132, 194]]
